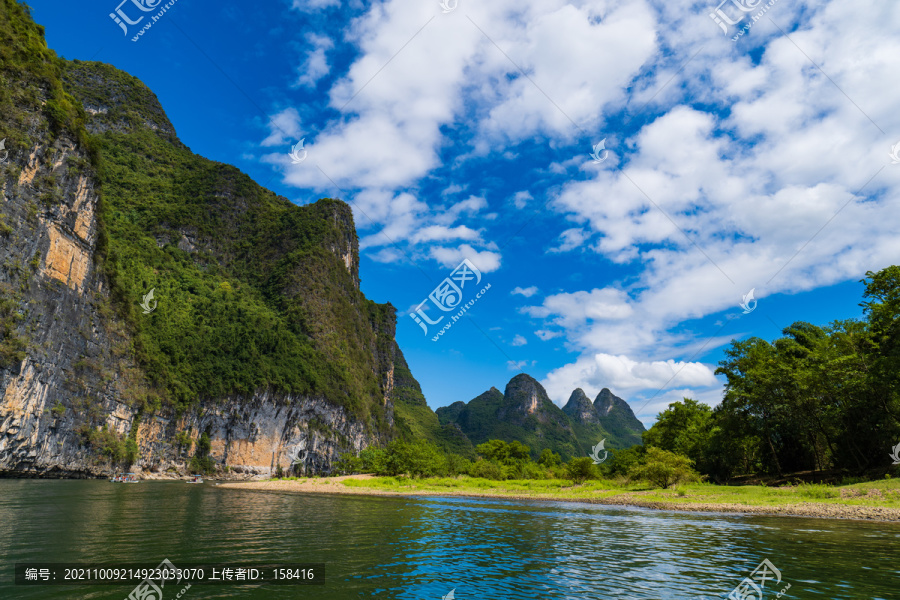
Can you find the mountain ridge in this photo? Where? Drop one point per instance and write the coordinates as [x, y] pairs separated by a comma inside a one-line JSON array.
[[524, 413]]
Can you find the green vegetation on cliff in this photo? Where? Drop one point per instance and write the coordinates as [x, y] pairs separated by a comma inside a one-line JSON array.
[[250, 291]]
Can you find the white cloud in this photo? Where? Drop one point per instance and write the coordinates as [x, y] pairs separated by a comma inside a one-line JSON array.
[[519, 341], [284, 127], [485, 261], [522, 198], [571, 239], [405, 85], [570, 310], [316, 65], [548, 335], [527, 292], [624, 376]]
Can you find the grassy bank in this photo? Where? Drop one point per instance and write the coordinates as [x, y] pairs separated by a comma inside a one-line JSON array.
[[878, 500]]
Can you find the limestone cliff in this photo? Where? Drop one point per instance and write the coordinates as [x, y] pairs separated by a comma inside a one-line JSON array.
[[256, 337]]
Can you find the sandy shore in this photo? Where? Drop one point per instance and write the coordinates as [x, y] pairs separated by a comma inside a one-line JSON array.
[[334, 485]]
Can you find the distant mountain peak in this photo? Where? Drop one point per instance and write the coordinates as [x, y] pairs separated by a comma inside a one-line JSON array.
[[523, 392], [580, 409], [606, 401]]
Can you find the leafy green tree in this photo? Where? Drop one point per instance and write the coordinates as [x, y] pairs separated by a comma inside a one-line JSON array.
[[549, 458], [508, 454], [415, 459], [580, 469], [487, 469], [621, 461], [663, 468]]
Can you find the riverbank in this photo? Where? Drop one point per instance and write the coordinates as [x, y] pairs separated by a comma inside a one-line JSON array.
[[879, 500]]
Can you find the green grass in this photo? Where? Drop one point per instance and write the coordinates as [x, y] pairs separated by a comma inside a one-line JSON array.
[[884, 494]]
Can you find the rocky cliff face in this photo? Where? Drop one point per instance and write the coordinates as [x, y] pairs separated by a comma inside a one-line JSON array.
[[580, 409], [89, 381]]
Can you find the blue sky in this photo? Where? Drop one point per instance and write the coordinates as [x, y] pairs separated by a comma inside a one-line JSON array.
[[757, 163]]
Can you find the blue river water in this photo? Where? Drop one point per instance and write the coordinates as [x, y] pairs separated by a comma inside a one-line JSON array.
[[427, 547]]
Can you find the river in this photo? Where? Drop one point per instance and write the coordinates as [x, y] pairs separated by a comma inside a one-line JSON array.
[[426, 547]]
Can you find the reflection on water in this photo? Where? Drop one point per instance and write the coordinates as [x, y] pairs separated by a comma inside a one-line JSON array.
[[421, 548]]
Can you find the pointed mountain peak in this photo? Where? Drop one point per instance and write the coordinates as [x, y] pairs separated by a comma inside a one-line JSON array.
[[617, 417], [606, 401], [526, 393], [579, 407]]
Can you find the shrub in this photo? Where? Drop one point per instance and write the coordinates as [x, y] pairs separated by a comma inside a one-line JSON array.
[[487, 469], [663, 468], [549, 458], [414, 459], [580, 469]]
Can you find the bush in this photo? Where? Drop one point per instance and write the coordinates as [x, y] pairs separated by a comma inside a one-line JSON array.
[[458, 465], [487, 469], [502, 452], [580, 469], [549, 458], [415, 459], [663, 468]]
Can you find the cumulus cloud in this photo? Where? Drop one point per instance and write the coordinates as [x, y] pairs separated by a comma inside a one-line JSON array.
[[316, 65], [521, 199], [284, 127], [571, 309], [623, 376], [519, 341], [527, 292], [486, 261]]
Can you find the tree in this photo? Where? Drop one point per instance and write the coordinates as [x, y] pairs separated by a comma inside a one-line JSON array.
[[415, 459], [683, 428], [663, 468], [549, 458], [508, 454], [579, 469], [621, 461]]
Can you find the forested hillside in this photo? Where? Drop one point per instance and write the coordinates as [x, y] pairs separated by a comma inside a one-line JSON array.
[[819, 398]]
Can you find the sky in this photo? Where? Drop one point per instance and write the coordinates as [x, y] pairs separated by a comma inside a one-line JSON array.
[[619, 175]]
